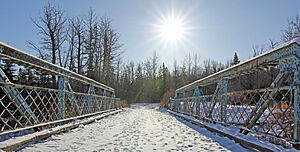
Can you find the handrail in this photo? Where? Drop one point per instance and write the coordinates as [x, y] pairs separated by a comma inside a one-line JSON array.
[[269, 58], [14, 54]]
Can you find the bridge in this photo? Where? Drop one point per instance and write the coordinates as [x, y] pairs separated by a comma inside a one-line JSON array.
[[260, 113]]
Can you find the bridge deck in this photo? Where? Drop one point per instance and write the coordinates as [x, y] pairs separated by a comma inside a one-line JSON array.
[[136, 129]]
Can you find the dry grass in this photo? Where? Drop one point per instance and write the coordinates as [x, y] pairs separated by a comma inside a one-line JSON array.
[[282, 105], [124, 104], [165, 98]]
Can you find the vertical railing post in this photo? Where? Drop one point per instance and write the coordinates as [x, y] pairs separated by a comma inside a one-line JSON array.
[[105, 100], [296, 90], [185, 100], [112, 98], [91, 91], [176, 102], [223, 93], [179, 104], [197, 94], [170, 104], [188, 105], [61, 96], [296, 113], [104, 93]]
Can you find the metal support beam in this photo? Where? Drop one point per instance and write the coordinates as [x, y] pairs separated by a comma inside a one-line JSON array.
[[91, 91], [221, 90], [296, 114], [197, 93], [185, 103], [177, 102], [296, 90], [114, 100], [104, 93], [223, 94], [61, 96]]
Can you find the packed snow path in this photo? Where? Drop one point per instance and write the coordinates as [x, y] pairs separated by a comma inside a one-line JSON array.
[[136, 129]]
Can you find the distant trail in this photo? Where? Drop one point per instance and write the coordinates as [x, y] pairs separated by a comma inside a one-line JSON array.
[[139, 129]]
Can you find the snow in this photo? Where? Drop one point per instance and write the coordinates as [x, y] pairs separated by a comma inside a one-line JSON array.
[[234, 131], [140, 128], [297, 40], [20, 140]]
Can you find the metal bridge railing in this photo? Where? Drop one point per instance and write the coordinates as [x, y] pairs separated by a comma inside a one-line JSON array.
[[43, 105], [271, 111], [276, 120], [23, 105]]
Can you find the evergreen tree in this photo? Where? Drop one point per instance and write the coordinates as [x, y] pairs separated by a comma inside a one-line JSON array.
[[235, 59], [8, 69], [22, 76], [31, 77]]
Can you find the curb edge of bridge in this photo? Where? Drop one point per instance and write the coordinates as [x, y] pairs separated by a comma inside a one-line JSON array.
[[36, 136], [244, 142], [11, 133]]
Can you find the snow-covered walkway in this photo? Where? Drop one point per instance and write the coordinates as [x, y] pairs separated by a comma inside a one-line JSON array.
[[141, 128]]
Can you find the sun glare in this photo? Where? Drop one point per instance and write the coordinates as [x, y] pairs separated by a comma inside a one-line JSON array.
[[172, 30]]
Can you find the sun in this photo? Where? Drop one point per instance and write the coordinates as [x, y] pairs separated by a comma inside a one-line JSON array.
[[171, 30]]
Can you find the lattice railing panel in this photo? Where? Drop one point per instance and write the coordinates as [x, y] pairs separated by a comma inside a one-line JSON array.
[[204, 104], [240, 105], [10, 116], [43, 105], [216, 110], [276, 120]]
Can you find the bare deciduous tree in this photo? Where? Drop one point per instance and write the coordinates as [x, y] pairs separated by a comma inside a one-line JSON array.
[[292, 30], [110, 47], [91, 41], [272, 44], [71, 38], [51, 29], [257, 50], [78, 27]]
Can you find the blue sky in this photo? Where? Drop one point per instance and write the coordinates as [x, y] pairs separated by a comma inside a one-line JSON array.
[[218, 28]]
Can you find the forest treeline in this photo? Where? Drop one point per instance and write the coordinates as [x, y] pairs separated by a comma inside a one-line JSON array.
[[89, 45]]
